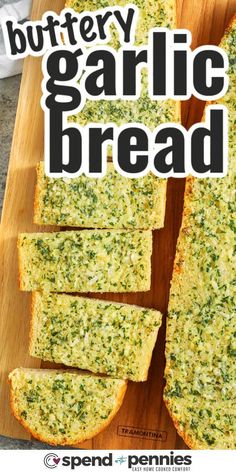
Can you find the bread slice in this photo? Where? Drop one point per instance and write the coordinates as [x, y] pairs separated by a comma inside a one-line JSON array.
[[96, 335], [200, 347], [64, 407], [110, 202], [86, 261], [154, 13]]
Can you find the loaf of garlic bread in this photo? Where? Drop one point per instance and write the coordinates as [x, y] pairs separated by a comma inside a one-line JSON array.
[[201, 327]]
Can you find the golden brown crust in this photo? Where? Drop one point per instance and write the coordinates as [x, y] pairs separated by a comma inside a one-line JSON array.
[[20, 284], [36, 218], [229, 27], [34, 296], [183, 434], [179, 256], [66, 442], [178, 102]]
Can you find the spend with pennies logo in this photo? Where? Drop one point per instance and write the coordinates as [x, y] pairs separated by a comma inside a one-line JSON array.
[[51, 460]]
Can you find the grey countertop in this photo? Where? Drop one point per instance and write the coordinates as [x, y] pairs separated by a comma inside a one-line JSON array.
[[5, 2], [9, 91]]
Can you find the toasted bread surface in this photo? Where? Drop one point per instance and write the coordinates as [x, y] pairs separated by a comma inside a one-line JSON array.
[[64, 407], [113, 201], [96, 335], [200, 346], [85, 261]]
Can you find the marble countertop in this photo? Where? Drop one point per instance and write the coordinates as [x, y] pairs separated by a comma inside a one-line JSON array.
[[9, 91]]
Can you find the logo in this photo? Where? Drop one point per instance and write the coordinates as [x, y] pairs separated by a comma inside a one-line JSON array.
[[149, 434], [135, 462], [121, 460], [169, 459], [87, 461], [51, 460]]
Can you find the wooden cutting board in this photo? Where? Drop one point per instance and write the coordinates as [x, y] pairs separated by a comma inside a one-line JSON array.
[[143, 421]]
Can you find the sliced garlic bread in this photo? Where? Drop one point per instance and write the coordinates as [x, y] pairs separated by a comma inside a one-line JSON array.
[[64, 407], [154, 13], [201, 327], [86, 261], [110, 202], [96, 335]]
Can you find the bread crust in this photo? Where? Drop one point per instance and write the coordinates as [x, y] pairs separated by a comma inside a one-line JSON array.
[[178, 267], [66, 441], [20, 284], [36, 218], [34, 297], [183, 434]]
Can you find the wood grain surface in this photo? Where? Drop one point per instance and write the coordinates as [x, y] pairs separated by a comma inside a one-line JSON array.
[[143, 421]]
